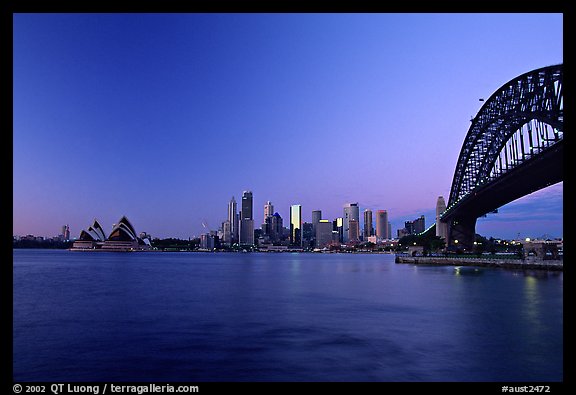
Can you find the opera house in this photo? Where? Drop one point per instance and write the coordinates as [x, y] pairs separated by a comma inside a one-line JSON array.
[[122, 238]]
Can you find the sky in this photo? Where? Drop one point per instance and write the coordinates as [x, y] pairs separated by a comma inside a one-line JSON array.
[[164, 117]]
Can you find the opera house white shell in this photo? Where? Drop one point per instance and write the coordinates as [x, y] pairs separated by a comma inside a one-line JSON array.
[[122, 238]]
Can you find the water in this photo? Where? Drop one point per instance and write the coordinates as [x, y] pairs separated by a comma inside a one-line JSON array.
[[279, 317]]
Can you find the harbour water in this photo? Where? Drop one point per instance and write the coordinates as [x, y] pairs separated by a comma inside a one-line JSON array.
[[279, 317]]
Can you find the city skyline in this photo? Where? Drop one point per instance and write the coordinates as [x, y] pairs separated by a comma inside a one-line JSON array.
[[164, 117]]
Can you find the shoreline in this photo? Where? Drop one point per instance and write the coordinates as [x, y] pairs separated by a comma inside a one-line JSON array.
[[532, 264]]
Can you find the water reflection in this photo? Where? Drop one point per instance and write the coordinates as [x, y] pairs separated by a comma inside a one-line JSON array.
[[467, 271], [246, 317]]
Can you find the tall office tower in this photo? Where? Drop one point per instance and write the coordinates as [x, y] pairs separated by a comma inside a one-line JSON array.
[[233, 219], [246, 220], [247, 232], [419, 224], [323, 233], [226, 234], [268, 210], [338, 226], [353, 230], [389, 230], [382, 225], [65, 232], [441, 227], [316, 217], [308, 234], [409, 226], [246, 212], [351, 211], [276, 228], [368, 228], [296, 224]]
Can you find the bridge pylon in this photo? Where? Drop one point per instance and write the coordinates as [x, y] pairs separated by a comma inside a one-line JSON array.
[[462, 232]]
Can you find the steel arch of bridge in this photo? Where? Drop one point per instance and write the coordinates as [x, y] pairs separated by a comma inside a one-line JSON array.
[[520, 120]]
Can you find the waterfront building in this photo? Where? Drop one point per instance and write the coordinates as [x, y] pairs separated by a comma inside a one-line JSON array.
[[233, 220], [226, 233], [274, 228], [308, 234], [296, 224], [122, 238], [266, 224], [96, 231], [247, 205], [353, 230], [268, 210], [316, 217], [409, 227], [389, 236], [207, 241], [351, 211], [416, 226], [441, 227], [323, 233], [246, 232], [368, 228], [338, 226], [419, 225], [65, 235], [382, 225], [246, 220]]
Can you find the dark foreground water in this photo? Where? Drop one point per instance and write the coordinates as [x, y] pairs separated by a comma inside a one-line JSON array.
[[82, 316]]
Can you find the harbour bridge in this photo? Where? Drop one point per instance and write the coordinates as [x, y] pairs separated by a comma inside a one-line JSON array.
[[514, 147]]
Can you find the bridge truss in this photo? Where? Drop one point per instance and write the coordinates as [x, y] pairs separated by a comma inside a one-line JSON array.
[[513, 147], [523, 118]]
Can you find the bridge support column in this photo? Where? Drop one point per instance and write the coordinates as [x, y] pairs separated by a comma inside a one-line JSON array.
[[461, 233]]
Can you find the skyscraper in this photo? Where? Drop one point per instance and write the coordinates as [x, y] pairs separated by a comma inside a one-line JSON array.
[[246, 212], [338, 226], [409, 226], [296, 224], [308, 234], [247, 232], [382, 225], [276, 227], [419, 224], [351, 211], [353, 230], [268, 210], [441, 227], [368, 228], [226, 234], [65, 233], [246, 220], [267, 223], [233, 219], [316, 217], [323, 233]]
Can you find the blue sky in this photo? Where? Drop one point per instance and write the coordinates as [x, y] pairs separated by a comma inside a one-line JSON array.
[[165, 117]]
